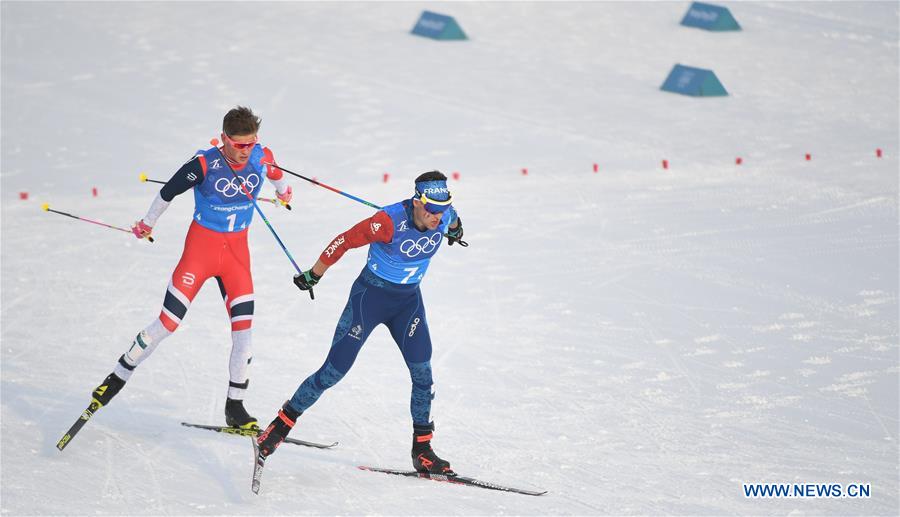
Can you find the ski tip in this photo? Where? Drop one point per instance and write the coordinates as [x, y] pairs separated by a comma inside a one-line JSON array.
[[45, 207], [258, 464], [143, 177], [63, 442]]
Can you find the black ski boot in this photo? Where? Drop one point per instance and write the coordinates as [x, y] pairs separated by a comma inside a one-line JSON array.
[[278, 430], [423, 456], [107, 390], [237, 416]]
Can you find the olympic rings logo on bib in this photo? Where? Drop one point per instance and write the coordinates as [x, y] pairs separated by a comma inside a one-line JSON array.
[[424, 245], [229, 187]]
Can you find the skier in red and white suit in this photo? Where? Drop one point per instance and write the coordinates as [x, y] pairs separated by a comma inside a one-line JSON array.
[[215, 246]]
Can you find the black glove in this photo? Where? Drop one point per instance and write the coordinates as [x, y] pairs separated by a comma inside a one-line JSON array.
[[455, 234], [306, 280]]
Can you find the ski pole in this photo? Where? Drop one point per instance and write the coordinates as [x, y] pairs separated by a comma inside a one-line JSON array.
[[265, 219], [46, 208], [319, 183], [144, 179], [363, 201]]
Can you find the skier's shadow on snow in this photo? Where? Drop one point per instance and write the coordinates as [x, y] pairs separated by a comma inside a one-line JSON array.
[[136, 432]]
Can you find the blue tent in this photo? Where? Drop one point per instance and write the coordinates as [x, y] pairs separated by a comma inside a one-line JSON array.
[[710, 17], [698, 82], [438, 26]]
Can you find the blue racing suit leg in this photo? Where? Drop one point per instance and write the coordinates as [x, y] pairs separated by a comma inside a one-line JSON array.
[[353, 328], [409, 328]]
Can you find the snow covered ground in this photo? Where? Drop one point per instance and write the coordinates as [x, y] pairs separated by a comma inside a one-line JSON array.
[[635, 341]]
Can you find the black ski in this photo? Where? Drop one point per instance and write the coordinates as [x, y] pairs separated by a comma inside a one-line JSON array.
[[85, 416], [255, 432], [258, 463], [459, 480]]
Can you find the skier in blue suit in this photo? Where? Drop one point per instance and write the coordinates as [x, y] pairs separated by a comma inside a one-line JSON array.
[[402, 239]]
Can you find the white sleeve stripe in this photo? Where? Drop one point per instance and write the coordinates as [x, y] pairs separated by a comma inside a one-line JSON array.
[[157, 208], [280, 185]]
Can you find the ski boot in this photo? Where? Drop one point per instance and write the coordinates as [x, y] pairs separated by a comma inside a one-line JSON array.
[[237, 416], [271, 438], [106, 390], [423, 456]]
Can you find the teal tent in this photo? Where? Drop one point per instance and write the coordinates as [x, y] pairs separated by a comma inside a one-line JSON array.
[[710, 17], [697, 82], [438, 26]]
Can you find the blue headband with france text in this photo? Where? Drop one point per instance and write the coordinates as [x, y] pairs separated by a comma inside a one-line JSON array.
[[434, 194]]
